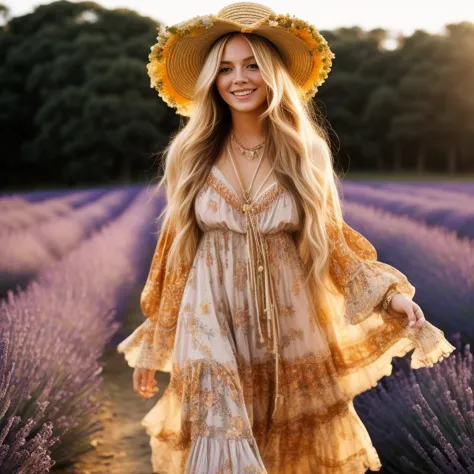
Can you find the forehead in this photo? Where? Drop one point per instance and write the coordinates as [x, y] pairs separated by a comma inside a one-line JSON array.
[[237, 49]]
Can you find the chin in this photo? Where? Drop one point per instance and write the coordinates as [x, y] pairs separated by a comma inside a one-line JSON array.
[[248, 107]]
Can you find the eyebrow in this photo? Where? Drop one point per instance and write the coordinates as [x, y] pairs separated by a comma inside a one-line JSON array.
[[245, 59]]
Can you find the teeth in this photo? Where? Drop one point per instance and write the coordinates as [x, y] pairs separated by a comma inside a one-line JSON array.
[[243, 92]]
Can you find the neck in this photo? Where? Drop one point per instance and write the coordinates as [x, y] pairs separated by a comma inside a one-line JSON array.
[[249, 130]]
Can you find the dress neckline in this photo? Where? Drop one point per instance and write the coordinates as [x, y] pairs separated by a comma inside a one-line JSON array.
[[233, 190]]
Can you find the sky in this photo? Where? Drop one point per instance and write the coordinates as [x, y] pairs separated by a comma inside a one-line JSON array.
[[401, 16]]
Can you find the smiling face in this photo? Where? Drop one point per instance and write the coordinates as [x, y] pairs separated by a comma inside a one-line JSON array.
[[239, 71]]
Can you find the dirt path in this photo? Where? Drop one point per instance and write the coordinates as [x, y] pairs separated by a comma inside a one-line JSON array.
[[123, 447]]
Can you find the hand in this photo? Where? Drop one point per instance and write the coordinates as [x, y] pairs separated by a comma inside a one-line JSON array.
[[401, 306], [144, 383]]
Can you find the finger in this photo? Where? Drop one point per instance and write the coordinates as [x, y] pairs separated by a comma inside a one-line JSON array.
[[420, 322], [140, 385], [153, 384], [411, 315], [150, 378], [420, 317], [136, 380]]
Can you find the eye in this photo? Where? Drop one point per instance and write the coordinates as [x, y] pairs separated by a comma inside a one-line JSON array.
[[224, 68]]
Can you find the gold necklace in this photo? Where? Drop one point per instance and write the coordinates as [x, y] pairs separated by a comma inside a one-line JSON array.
[[249, 153]]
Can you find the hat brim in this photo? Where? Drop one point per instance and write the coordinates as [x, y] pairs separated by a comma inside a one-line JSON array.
[[176, 60]]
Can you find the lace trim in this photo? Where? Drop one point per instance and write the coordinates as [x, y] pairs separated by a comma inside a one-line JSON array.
[[229, 196]]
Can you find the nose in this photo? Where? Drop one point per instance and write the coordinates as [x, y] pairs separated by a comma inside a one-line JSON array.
[[239, 75]]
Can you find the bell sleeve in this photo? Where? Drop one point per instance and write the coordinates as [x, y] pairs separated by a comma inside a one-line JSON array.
[[151, 344], [365, 282]]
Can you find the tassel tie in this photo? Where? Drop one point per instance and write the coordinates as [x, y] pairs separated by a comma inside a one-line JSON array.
[[262, 285], [258, 271]]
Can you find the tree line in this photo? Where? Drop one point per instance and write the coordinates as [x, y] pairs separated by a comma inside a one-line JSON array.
[[76, 105]]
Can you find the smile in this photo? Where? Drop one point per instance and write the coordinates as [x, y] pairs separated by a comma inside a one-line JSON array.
[[244, 96]]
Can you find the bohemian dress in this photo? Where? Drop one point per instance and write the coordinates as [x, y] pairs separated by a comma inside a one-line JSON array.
[[257, 385]]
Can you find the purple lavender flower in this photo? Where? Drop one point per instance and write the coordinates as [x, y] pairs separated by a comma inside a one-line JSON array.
[[449, 209], [422, 419], [55, 332], [24, 253]]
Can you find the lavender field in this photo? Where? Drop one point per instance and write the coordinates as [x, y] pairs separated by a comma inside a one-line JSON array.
[[72, 265]]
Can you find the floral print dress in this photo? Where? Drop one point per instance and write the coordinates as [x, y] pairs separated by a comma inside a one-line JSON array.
[[239, 403]]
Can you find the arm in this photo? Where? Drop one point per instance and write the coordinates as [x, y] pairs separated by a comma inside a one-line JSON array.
[[151, 344], [365, 282]]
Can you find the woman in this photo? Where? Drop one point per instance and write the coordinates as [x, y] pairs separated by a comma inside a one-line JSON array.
[[268, 310]]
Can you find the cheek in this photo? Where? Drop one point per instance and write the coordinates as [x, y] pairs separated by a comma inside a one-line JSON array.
[[262, 91], [258, 79], [222, 84]]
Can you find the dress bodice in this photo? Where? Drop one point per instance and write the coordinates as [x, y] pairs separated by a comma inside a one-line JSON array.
[[218, 206]]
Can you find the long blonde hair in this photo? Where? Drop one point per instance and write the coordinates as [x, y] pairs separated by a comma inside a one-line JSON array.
[[296, 142]]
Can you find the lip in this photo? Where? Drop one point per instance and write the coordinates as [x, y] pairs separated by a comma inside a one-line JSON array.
[[245, 96]]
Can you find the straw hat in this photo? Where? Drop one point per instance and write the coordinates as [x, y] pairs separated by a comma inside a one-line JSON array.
[[176, 60]]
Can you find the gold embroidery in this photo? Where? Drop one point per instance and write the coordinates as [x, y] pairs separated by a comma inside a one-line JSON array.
[[241, 318], [221, 188], [288, 311], [185, 384], [267, 197], [262, 203], [240, 274], [205, 307], [196, 327], [296, 283], [363, 280], [291, 335], [316, 409], [212, 204], [209, 249], [252, 469], [282, 251], [225, 467], [223, 316]]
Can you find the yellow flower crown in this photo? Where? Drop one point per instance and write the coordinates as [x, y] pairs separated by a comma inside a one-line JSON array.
[[310, 67]]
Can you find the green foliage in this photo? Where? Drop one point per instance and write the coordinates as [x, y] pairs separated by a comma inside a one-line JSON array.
[[410, 108], [76, 104], [75, 100]]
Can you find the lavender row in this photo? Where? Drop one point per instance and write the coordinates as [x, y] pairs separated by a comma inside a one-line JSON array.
[[423, 420], [43, 195], [455, 215], [24, 253], [438, 264], [36, 213], [12, 202], [443, 186], [438, 193], [53, 335]]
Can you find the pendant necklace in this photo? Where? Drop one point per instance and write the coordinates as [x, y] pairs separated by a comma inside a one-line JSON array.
[[249, 153]]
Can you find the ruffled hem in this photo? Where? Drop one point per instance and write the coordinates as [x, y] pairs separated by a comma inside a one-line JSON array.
[[328, 442], [224, 455], [428, 342], [340, 445], [140, 353], [184, 438], [306, 445], [181, 436]]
